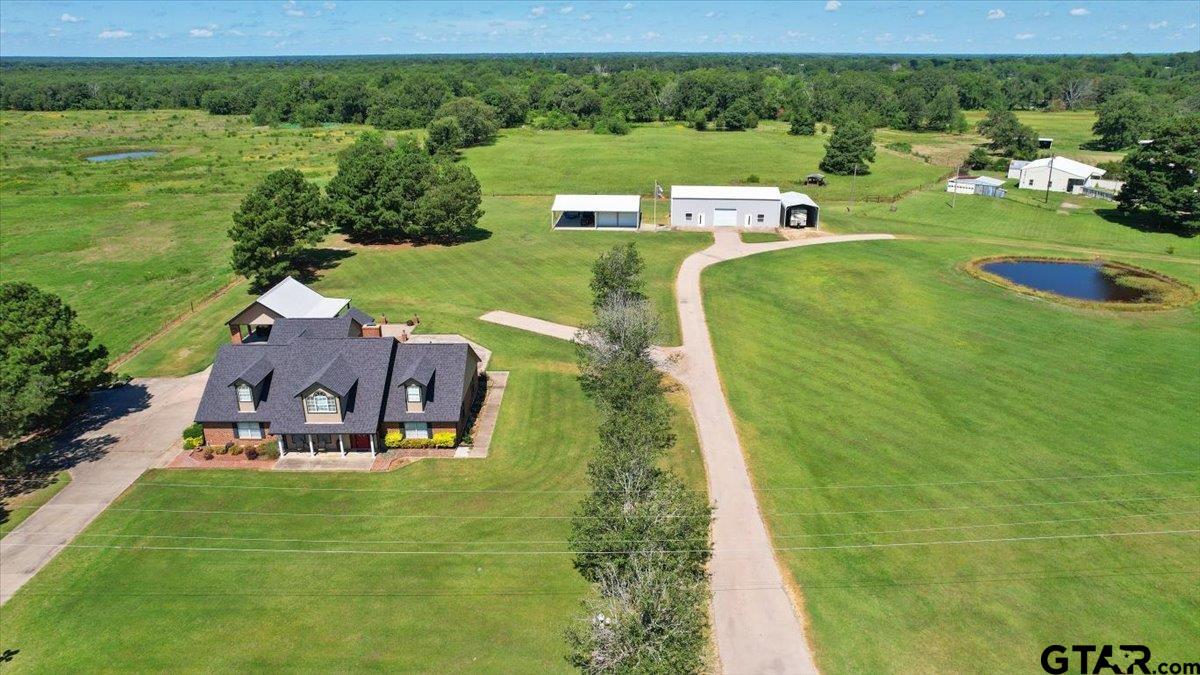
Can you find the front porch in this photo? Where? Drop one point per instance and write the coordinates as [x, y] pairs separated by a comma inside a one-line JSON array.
[[366, 445]]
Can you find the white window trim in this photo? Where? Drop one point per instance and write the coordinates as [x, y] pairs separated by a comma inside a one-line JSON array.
[[243, 388], [417, 430], [255, 435], [414, 393], [310, 402]]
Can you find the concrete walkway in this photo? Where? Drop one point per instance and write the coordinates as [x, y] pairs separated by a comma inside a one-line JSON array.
[[125, 431], [757, 626]]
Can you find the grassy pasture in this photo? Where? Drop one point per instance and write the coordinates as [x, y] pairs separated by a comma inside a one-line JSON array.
[[17, 507], [937, 395]]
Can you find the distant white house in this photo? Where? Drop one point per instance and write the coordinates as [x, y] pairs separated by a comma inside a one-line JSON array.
[[976, 185], [1058, 174]]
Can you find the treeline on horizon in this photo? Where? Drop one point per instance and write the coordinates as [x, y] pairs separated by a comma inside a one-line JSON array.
[[565, 91]]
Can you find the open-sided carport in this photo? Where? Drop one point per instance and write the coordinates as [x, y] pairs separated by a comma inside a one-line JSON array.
[[799, 210], [596, 212]]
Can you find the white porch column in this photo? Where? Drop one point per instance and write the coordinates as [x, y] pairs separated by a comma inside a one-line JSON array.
[[311, 451], [341, 445], [372, 445], [282, 445]]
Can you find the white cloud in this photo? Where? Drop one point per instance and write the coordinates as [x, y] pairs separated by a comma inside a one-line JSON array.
[[1190, 25], [537, 11], [923, 38], [1158, 24], [68, 18], [330, 6], [628, 5], [200, 32], [833, 5], [920, 12], [291, 9], [114, 34], [235, 32], [272, 33], [650, 35], [1080, 11], [1024, 36], [709, 15], [885, 38], [566, 10], [586, 17], [994, 14], [385, 39]]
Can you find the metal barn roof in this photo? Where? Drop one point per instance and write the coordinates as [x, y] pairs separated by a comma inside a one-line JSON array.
[[795, 199], [294, 300], [723, 192], [607, 203], [1068, 165]]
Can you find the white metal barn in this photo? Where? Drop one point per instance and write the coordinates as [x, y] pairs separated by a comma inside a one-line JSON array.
[[739, 206], [593, 212], [1060, 174]]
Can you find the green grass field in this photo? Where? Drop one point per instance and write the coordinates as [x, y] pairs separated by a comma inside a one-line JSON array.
[[887, 398], [18, 507]]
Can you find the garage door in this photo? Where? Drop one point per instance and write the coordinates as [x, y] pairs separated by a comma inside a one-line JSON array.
[[725, 217]]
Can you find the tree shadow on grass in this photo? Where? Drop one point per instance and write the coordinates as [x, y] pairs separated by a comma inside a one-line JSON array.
[[472, 235], [319, 260], [1145, 223]]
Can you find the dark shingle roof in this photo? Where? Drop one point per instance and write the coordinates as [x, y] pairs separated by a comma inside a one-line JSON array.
[[369, 370], [256, 372], [444, 367], [360, 316], [366, 360], [286, 330]]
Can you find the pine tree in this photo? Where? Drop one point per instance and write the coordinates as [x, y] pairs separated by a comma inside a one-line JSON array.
[[275, 224], [849, 149]]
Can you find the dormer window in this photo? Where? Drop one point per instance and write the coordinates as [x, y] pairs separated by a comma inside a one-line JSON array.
[[414, 397], [414, 393], [244, 393], [320, 402]]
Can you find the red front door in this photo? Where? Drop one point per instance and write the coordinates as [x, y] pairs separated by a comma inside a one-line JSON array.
[[360, 441]]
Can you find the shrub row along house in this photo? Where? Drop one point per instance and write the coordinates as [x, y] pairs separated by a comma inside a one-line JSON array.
[[317, 375]]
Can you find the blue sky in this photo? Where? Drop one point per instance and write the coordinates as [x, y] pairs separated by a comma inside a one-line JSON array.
[[290, 27]]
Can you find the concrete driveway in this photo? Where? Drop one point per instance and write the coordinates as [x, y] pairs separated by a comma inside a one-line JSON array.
[[125, 431], [758, 628]]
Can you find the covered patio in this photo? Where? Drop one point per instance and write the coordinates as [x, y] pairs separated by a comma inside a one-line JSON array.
[[596, 212], [339, 443]]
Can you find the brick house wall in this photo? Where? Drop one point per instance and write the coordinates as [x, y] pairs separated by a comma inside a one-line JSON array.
[[220, 434]]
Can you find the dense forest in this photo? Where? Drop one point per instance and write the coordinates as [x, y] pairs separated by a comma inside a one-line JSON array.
[[562, 91]]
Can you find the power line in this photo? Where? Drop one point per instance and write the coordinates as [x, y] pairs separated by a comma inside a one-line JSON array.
[[947, 542], [473, 542], [229, 486]]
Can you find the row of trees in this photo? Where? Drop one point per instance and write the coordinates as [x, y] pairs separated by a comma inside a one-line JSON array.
[[48, 361], [716, 91], [381, 193], [641, 537]]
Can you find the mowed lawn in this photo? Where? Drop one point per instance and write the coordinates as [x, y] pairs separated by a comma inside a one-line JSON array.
[[441, 566], [921, 443]]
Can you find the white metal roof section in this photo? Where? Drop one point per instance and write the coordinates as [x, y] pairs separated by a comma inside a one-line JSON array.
[[617, 203], [796, 199], [988, 180], [1068, 165], [294, 300], [723, 192]]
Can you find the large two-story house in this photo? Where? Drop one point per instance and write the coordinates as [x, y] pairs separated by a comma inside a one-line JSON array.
[[331, 383]]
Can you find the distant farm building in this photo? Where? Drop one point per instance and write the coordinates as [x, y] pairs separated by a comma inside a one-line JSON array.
[[1061, 174], [976, 185], [740, 206], [593, 212]]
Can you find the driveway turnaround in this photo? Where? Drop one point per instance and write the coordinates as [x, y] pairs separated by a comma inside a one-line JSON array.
[[758, 629], [125, 431]]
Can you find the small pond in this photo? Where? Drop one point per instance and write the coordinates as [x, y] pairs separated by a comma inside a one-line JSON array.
[[1079, 280], [134, 154]]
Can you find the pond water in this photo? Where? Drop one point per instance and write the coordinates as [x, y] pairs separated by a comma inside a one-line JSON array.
[[136, 154], [1079, 280]]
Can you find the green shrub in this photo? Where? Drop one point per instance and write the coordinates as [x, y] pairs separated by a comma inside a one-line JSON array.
[[444, 439], [236, 450], [268, 449], [978, 159], [611, 125], [222, 449], [393, 439], [191, 443], [251, 453], [194, 430], [899, 146]]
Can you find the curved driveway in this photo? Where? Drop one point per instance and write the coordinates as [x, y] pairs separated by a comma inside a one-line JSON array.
[[755, 621], [757, 627]]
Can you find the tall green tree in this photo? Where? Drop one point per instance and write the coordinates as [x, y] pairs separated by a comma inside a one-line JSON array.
[[802, 122], [47, 360], [1162, 178], [445, 136], [911, 113], [849, 149], [450, 208], [617, 270], [1007, 135], [277, 221], [477, 119], [943, 113], [1123, 119]]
